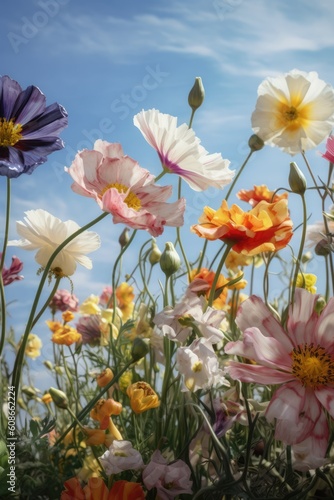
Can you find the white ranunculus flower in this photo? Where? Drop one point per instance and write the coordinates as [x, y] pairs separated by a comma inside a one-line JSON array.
[[199, 366], [43, 232], [294, 111], [180, 151], [121, 456]]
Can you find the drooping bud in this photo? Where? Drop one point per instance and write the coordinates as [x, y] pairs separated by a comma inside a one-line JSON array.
[[139, 349], [255, 143], [297, 180], [124, 237], [48, 365], [323, 248], [196, 94], [155, 254], [170, 261], [59, 398]]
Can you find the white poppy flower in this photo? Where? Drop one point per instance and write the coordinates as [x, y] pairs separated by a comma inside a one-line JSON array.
[[121, 456], [294, 111], [43, 232], [180, 151]]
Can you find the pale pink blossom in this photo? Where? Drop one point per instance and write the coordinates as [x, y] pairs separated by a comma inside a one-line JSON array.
[[329, 155], [106, 295], [199, 366], [121, 456], [12, 273], [300, 360], [63, 300], [177, 323], [170, 480], [181, 153], [120, 186]]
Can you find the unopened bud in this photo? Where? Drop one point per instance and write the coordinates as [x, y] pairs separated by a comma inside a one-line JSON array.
[[255, 143], [59, 398], [124, 237], [139, 349], [170, 261], [155, 254], [323, 248], [48, 365], [196, 94], [319, 305], [29, 391], [297, 180]]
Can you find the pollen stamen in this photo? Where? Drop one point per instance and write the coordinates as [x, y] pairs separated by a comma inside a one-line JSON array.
[[10, 132], [312, 365]]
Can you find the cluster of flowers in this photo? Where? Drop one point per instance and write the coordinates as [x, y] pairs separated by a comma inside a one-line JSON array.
[[215, 350]]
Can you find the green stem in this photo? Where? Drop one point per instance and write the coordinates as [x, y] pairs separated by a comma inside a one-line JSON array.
[[301, 248], [47, 302], [5, 239], [2, 261], [20, 355], [219, 268], [178, 232]]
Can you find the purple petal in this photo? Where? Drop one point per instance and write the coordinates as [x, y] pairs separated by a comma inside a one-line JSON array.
[[31, 102], [9, 92]]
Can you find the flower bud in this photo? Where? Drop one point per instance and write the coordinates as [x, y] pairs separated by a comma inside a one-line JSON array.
[[323, 248], [255, 143], [139, 349], [124, 237], [59, 398], [196, 94], [170, 261], [297, 180], [48, 365], [319, 305], [155, 254]]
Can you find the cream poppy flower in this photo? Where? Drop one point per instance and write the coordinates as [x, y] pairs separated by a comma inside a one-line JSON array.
[[294, 111], [43, 232]]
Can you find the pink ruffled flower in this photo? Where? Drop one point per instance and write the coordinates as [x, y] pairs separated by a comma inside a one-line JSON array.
[[123, 188], [329, 155], [12, 273], [105, 295], [170, 480], [181, 153], [63, 300], [300, 360]]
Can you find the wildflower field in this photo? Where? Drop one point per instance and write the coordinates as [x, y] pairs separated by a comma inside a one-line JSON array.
[[177, 381]]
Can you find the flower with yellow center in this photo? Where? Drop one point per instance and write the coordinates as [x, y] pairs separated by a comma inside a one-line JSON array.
[[294, 111], [90, 305], [299, 359], [123, 188], [33, 347], [142, 397], [307, 281], [10, 132]]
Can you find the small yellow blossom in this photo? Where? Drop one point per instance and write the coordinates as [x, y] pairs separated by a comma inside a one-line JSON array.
[[33, 347], [142, 397], [307, 281], [67, 316], [47, 398], [90, 305], [125, 380], [235, 260], [66, 335]]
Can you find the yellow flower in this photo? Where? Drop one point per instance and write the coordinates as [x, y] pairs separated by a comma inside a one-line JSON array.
[[142, 397], [103, 409], [307, 281], [67, 316], [235, 260], [46, 398], [54, 325], [97, 437], [33, 347], [125, 380], [125, 296], [90, 305], [66, 335], [104, 377]]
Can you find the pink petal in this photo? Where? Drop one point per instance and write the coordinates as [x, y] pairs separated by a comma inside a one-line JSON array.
[[296, 411], [324, 327], [325, 396], [302, 317], [256, 373], [254, 312]]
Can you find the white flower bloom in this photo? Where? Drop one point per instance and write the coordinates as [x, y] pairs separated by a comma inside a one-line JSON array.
[[294, 111], [43, 232], [199, 366], [317, 232], [180, 151], [121, 456], [178, 323]]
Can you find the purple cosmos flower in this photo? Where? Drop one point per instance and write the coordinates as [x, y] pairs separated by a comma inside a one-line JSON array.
[[28, 128]]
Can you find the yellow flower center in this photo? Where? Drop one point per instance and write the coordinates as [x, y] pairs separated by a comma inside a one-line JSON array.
[[10, 132], [120, 454], [197, 366], [294, 114], [131, 200], [312, 365], [291, 114]]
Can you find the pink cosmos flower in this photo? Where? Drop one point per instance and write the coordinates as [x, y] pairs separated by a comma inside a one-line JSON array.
[[123, 188], [106, 295], [63, 300], [329, 155], [180, 151], [301, 359], [12, 273], [170, 480]]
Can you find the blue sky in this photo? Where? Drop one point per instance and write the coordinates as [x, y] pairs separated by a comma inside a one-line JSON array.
[[105, 61]]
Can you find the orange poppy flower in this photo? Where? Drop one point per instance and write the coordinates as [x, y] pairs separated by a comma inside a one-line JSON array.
[[142, 397], [126, 490], [209, 276], [97, 490], [66, 335], [260, 193], [103, 409], [265, 228]]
